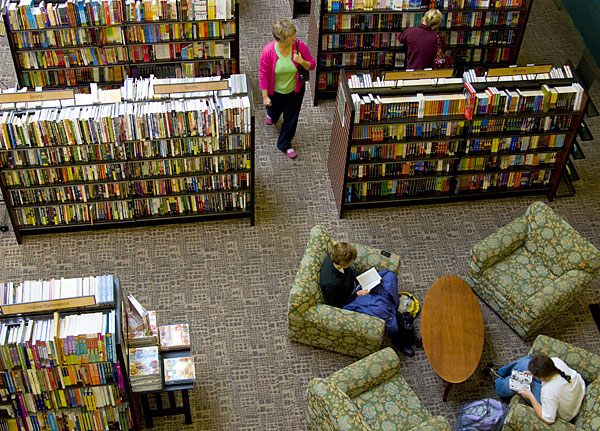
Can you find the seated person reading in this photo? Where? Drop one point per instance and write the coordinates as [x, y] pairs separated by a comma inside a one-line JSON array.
[[341, 290], [556, 390]]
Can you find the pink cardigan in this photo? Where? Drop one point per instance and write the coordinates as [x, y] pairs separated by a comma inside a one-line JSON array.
[[268, 58]]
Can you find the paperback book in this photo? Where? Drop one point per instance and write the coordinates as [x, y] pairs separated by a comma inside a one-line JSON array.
[[520, 381], [144, 369], [179, 370], [174, 337]]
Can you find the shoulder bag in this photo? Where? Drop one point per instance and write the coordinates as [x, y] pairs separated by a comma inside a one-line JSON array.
[[441, 60], [303, 74]]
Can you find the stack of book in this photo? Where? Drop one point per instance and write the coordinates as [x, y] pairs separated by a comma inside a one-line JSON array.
[[144, 369], [141, 325], [179, 370], [174, 337]]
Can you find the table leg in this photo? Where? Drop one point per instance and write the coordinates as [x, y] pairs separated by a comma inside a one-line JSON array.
[[447, 391], [147, 412], [186, 407]]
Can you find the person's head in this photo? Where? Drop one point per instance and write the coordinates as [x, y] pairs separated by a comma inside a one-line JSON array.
[[432, 19], [543, 368], [284, 31], [343, 254]]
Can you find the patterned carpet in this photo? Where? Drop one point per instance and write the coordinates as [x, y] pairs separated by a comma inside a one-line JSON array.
[[231, 281]]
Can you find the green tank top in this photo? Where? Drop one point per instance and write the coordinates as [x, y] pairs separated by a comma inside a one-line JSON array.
[[285, 73]]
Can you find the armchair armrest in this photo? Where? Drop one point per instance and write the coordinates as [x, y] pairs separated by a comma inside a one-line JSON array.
[[522, 417], [585, 363], [498, 245], [367, 257], [434, 423], [367, 373], [330, 408]]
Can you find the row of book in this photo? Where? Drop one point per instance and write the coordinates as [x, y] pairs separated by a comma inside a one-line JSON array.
[[189, 31], [101, 287], [388, 189], [180, 51], [394, 169], [69, 38], [173, 10], [561, 72], [415, 150], [59, 378], [480, 37], [506, 162], [498, 102], [136, 189], [117, 211], [499, 181], [68, 58], [406, 131], [471, 19], [41, 157], [73, 419], [72, 77], [550, 123], [363, 60], [436, 149], [125, 121], [361, 41], [68, 340], [28, 15], [359, 5]]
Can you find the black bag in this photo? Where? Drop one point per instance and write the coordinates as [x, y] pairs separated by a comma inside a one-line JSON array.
[[303, 74]]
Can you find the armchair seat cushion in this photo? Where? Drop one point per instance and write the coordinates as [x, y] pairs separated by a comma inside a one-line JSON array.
[[391, 405]]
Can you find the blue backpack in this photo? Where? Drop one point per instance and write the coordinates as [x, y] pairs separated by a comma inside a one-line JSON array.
[[481, 415]]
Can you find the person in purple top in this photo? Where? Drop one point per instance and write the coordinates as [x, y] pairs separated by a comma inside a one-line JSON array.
[[421, 41]]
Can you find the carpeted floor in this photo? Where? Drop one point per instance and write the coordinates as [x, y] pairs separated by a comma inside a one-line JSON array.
[[231, 281]]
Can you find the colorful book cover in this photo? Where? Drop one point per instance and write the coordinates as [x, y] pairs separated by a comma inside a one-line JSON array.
[[143, 361], [174, 337], [179, 370]]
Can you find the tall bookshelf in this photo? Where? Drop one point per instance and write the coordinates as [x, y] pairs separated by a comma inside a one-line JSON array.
[[439, 155], [74, 43], [54, 377], [363, 35], [184, 154]]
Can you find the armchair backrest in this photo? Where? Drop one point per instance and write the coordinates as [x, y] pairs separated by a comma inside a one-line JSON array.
[[557, 244], [306, 291]]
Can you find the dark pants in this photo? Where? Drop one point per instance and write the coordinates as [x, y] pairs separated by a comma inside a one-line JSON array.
[[289, 105]]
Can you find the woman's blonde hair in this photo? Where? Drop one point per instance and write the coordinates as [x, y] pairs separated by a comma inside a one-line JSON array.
[[432, 19], [282, 29]]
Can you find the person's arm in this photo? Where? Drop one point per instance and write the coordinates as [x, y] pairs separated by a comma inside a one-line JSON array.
[[266, 98], [263, 76], [335, 296], [303, 57], [537, 407]]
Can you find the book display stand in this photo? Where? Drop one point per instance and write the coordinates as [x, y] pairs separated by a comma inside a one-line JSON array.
[[363, 35], [166, 152], [73, 43], [400, 142], [54, 376]]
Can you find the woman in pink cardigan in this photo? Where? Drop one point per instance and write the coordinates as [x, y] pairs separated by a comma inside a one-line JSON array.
[[282, 92]]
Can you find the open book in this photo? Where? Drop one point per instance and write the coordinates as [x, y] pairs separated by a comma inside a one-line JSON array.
[[369, 279], [520, 381]]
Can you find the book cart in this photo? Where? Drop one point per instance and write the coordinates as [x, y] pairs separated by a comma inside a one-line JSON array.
[[364, 35], [72, 381], [185, 155], [72, 43], [439, 155]]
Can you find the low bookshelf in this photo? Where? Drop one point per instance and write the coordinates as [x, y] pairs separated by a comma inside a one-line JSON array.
[[402, 141], [154, 151], [364, 35], [63, 369]]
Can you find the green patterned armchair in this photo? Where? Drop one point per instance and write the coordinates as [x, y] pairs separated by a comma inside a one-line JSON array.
[[532, 269], [521, 417], [312, 322], [370, 394]]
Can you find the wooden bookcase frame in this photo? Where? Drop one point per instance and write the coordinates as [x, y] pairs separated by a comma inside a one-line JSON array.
[[129, 67], [137, 221], [316, 32], [118, 335], [341, 142]]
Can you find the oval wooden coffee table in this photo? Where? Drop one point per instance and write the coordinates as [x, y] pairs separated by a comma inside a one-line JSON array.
[[452, 330]]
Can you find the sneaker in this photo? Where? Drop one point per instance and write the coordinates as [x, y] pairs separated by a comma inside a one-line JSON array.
[[268, 120], [490, 372], [291, 153]]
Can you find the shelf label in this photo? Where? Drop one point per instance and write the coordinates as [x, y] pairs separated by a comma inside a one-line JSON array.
[[419, 74], [522, 70], [341, 103], [54, 304], [36, 96], [191, 87]]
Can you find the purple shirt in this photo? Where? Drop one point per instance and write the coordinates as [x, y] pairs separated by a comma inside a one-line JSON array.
[[422, 46]]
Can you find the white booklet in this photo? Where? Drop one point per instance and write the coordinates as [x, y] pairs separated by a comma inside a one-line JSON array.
[[519, 381], [369, 279]]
